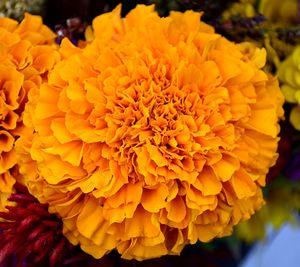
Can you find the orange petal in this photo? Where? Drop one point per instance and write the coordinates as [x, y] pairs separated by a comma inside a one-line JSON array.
[[141, 225], [6, 141], [60, 131], [226, 167], [242, 184], [70, 152], [176, 210], [208, 183], [154, 199]]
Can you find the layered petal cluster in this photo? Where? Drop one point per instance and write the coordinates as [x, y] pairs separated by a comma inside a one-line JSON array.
[[289, 75], [27, 52], [157, 134]]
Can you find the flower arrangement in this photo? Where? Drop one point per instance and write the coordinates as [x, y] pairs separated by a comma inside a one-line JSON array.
[[150, 134]]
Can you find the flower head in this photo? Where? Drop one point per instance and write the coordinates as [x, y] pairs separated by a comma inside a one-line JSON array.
[[157, 134], [289, 75], [26, 55], [30, 233]]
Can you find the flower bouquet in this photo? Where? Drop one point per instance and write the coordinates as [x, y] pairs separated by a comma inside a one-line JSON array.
[[146, 131]]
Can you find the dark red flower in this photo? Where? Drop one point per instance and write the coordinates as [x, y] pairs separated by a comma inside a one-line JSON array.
[[30, 235]]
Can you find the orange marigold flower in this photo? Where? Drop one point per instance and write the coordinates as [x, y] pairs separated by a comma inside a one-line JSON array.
[[157, 134], [27, 52]]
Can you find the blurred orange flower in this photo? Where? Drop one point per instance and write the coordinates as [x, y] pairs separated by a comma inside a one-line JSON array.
[[27, 52], [157, 134]]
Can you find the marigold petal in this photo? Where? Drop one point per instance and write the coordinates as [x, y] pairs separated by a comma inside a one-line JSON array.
[[229, 69], [6, 183], [176, 209], [7, 160], [97, 232], [208, 232], [108, 23], [258, 120], [60, 131], [8, 23], [139, 251], [208, 183], [141, 225], [71, 152], [226, 167], [127, 194], [6, 141], [154, 199], [242, 184]]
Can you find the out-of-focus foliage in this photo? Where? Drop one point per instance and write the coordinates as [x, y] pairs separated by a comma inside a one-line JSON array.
[[16, 8]]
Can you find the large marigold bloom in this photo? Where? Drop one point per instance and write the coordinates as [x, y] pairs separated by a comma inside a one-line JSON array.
[[27, 52], [157, 134]]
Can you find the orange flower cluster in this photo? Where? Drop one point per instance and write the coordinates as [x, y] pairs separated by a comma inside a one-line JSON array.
[[26, 54], [157, 134]]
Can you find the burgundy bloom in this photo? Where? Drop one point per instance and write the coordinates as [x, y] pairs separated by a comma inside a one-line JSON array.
[[30, 236]]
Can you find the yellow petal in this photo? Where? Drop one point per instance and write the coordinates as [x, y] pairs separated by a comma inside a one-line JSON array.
[[295, 117], [289, 93]]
